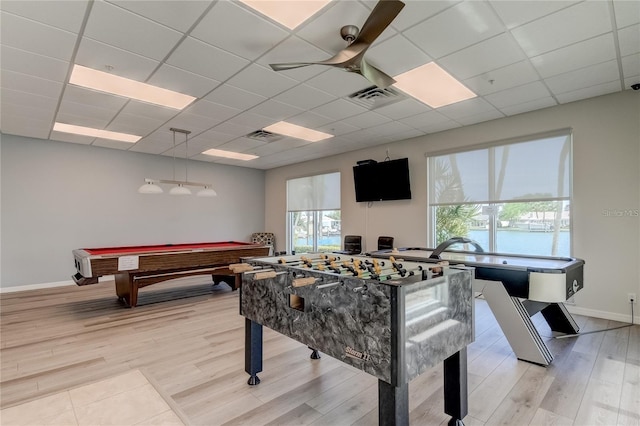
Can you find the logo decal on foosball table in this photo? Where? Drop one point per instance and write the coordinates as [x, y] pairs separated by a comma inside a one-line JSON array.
[[352, 353]]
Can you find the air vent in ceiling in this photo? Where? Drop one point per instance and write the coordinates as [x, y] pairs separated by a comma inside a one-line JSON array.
[[374, 97], [264, 136]]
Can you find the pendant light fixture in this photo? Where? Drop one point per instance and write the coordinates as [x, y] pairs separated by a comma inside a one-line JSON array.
[[151, 186]]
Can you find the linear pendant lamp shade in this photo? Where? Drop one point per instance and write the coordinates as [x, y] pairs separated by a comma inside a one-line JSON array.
[[151, 186]]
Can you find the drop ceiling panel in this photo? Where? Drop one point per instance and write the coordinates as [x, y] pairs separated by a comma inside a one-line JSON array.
[[284, 144], [177, 14], [588, 92], [118, 27], [576, 56], [33, 64], [212, 111], [529, 106], [134, 124], [416, 11], [103, 57], [479, 118], [480, 58], [502, 78], [66, 15], [275, 110], [89, 97], [396, 55], [629, 39], [339, 109], [262, 81], [558, 29], [192, 122], [149, 110], [425, 120], [458, 27], [35, 37], [366, 120], [210, 139], [24, 125], [240, 145], [84, 115], [181, 81], [310, 119], [108, 143], [517, 95], [221, 25], [294, 49], [234, 97], [206, 60], [11, 98], [516, 13], [30, 84], [304, 97], [25, 114], [403, 109], [594, 75], [627, 12], [337, 128], [466, 108], [631, 65], [337, 82], [251, 121]]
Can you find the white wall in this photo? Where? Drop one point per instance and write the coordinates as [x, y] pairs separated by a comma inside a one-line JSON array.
[[606, 138], [58, 196]]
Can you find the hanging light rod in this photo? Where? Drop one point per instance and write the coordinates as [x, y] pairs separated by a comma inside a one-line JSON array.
[[151, 186]]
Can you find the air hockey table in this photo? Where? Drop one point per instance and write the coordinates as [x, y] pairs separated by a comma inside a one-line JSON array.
[[516, 287]]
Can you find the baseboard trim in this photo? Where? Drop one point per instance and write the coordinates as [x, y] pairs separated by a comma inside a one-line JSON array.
[[604, 314], [40, 286]]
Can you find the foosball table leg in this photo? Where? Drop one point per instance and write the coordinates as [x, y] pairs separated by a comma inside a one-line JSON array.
[[314, 353], [455, 387], [393, 404], [252, 350]]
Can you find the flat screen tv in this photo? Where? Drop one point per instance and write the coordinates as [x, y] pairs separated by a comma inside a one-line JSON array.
[[384, 181]]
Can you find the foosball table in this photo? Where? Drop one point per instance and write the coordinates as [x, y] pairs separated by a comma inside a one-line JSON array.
[[393, 320]]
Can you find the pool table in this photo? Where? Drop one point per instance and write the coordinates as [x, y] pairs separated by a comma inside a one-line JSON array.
[[135, 267]]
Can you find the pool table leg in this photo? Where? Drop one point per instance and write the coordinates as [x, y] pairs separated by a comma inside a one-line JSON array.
[[127, 289]]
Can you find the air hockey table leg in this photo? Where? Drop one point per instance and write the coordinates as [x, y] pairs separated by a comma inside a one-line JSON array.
[[252, 350], [456, 402], [514, 320]]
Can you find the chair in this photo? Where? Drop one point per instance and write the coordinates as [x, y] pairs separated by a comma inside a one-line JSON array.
[[352, 245], [385, 243], [266, 238]]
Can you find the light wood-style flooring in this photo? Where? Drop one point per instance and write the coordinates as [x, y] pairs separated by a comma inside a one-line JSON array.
[[186, 339]]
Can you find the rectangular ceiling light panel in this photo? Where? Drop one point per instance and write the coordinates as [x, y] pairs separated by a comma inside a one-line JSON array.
[[230, 154], [96, 133], [432, 85], [286, 12], [116, 85], [298, 132]]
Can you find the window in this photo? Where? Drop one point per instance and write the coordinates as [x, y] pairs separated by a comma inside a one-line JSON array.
[[313, 213], [510, 198]]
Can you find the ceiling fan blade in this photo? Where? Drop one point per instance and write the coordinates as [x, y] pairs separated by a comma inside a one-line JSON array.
[[290, 65], [375, 76], [381, 16], [341, 59]]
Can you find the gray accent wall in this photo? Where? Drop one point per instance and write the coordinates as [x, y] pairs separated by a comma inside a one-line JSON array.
[[59, 196], [606, 177]]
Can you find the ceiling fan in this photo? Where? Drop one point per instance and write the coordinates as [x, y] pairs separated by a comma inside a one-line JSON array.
[[351, 58]]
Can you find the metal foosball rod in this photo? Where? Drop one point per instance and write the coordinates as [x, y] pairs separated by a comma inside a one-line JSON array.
[[327, 285]]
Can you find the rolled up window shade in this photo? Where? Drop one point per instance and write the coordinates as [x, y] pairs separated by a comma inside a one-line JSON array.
[[320, 192]]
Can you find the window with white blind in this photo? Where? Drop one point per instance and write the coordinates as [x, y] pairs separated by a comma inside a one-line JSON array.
[[313, 213], [510, 198]]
